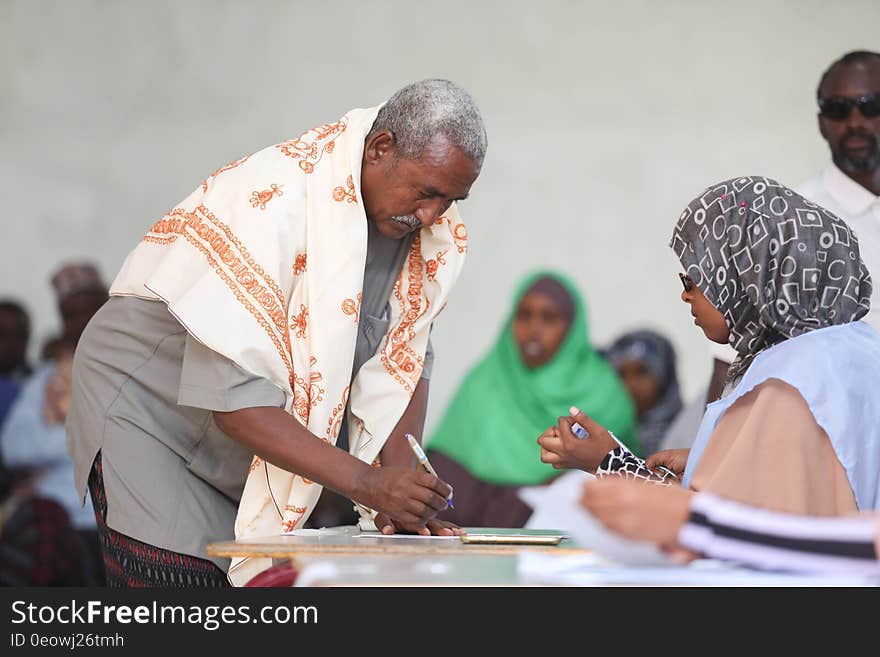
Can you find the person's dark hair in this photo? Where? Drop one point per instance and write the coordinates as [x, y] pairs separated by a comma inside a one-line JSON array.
[[854, 57], [98, 293], [10, 306]]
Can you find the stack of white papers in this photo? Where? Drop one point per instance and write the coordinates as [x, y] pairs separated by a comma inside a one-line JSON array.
[[556, 506], [590, 570]]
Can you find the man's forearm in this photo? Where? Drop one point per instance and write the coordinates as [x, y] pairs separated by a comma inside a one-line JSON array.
[[396, 450], [276, 437]]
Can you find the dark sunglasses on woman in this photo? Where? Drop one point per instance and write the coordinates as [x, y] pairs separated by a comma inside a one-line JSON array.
[[686, 282], [837, 108]]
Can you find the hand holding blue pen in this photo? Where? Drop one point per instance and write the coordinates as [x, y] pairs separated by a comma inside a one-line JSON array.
[[423, 460], [582, 434]]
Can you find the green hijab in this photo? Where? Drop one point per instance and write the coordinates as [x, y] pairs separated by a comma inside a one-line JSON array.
[[493, 423]]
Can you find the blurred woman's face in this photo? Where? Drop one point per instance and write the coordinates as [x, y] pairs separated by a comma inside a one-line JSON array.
[[539, 327], [640, 382]]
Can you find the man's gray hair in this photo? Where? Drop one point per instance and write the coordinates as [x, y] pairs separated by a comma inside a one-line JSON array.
[[422, 110]]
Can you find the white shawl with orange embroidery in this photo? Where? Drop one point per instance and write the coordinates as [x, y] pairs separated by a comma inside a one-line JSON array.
[[264, 264]]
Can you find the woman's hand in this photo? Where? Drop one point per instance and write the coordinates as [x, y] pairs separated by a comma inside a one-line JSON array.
[[562, 449], [674, 459], [639, 511]]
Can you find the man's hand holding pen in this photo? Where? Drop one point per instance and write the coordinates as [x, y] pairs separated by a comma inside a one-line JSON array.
[[421, 495]]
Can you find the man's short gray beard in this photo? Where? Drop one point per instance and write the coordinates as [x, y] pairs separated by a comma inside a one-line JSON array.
[[866, 165]]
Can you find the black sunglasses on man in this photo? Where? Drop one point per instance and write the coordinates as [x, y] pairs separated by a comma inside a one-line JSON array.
[[837, 108]]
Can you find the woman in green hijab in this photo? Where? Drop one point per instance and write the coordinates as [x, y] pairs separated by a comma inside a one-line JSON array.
[[541, 365]]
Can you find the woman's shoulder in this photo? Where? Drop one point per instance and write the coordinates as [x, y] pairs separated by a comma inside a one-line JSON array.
[[819, 365], [775, 391], [830, 346]]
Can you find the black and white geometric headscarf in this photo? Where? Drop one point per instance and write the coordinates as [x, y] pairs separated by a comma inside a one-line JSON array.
[[775, 264]]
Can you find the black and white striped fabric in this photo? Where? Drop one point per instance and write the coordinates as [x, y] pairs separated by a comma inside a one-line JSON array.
[[768, 540]]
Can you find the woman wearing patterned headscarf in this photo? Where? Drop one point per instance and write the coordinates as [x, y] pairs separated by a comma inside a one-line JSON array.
[[645, 361], [542, 363], [781, 280]]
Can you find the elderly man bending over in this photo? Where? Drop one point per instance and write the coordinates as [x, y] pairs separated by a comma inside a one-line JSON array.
[[287, 300]]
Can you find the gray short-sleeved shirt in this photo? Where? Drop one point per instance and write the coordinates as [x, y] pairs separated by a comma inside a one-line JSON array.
[[144, 392]]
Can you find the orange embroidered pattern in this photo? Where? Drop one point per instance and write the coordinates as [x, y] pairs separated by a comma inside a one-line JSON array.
[[458, 232], [335, 422], [352, 307], [299, 264], [256, 463], [309, 148], [433, 265], [399, 360], [225, 167], [291, 523], [306, 395], [300, 322], [247, 280], [178, 220], [261, 198], [168, 228], [346, 193]]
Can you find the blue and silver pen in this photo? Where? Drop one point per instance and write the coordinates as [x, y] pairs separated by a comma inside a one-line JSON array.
[[423, 459], [582, 433]]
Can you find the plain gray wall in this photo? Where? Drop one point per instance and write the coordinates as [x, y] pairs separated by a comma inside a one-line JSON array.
[[604, 120]]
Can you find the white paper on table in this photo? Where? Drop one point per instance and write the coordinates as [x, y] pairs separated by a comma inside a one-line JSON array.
[[557, 505], [324, 531], [587, 570], [402, 536], [623, 562]]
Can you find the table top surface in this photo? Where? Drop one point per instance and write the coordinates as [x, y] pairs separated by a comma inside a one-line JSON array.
[[530, 568], [350, 541], [345, 556], [409, 570]]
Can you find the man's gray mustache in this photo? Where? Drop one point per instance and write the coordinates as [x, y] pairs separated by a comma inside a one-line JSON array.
[[409, 220]]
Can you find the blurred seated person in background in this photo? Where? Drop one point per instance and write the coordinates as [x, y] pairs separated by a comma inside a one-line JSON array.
[[80, 293], [33, 440], [645, 362], [38, 546], [781, 280], [686, 525], [15, 331], [484, 445]]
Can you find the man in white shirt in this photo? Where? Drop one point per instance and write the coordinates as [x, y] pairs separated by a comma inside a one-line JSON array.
[[849, 120]]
